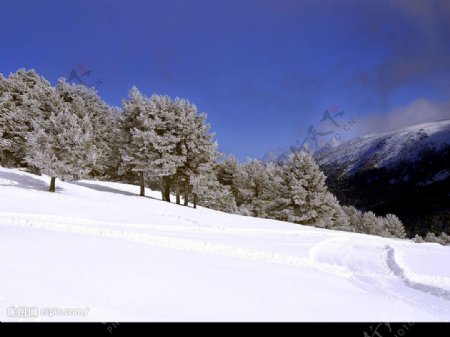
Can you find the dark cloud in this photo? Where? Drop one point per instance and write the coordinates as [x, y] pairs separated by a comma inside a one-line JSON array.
[[418, 45], [429, 14]]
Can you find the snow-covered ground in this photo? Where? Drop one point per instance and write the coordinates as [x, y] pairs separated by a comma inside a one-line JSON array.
[[98, 246]]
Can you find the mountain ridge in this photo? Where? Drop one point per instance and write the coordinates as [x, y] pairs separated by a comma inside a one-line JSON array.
[[405, 172], [385, 149]]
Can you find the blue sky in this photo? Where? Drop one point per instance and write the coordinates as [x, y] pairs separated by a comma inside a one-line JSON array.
[[263, 70]]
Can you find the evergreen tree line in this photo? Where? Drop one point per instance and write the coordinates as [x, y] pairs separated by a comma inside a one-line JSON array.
[[294, 190], [442, 239], [68, 132]]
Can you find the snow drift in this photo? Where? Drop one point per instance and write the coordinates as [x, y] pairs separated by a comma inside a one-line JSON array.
[[100, 248]]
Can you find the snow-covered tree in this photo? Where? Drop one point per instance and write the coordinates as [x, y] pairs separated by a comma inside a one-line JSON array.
[[208, 192], [393, 227], [4, 143], [354, 216], [195, 146], [166, 142], [5, 99], [62, 146], [304, 195], [150, 139], [84, 101], [23, 100], [445, 238], [253, 184], [165, 138], [339, 218], [111, 161], [137, 151], [431, 237], [371, 224], [228, 173], [418, 239], [257, 188], [442, 239]]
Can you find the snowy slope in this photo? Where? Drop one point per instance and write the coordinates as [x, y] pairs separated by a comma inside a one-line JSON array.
[[99, 246], [383, 150]]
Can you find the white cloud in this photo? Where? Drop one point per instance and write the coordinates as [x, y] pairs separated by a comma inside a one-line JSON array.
[[417, 112]]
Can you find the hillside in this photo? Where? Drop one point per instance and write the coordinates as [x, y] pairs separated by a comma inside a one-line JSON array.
[[387, 149], [405, 172], [98, 246]]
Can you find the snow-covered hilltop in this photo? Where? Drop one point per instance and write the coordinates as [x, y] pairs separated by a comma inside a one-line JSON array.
[[383, 150], [404, 172], [99, 246]]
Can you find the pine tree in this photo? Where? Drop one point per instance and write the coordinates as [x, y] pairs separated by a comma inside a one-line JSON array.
[[445, 238], [227, 170], [62, 146], [208, 191], [431, 237], [281, 195], [166, 142], [393, 227], [195, 147], [257, 188], [371, 224], [150, 139], [137, 150], [165, 138], [418, 239], [229, 173], [5, 99], [4, 143], [23, 100], [442, 239], [354, 216], [84, 101], [340, 220], [115, 138], [306, 199]]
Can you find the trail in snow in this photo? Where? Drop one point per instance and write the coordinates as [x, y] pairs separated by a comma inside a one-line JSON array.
[[372, 266], [399, 272], [360, 263], [132, 258], [168, 242]]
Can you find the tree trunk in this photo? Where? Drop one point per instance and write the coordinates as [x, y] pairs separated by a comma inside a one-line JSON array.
[[142, 184], [162, 188], [166, 189], [52, 184], [186, 192], [177, 190], [195, 200]]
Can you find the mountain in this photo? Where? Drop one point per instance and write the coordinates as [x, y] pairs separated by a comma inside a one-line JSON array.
[[387, 149], [96, 251], [406, 172]]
